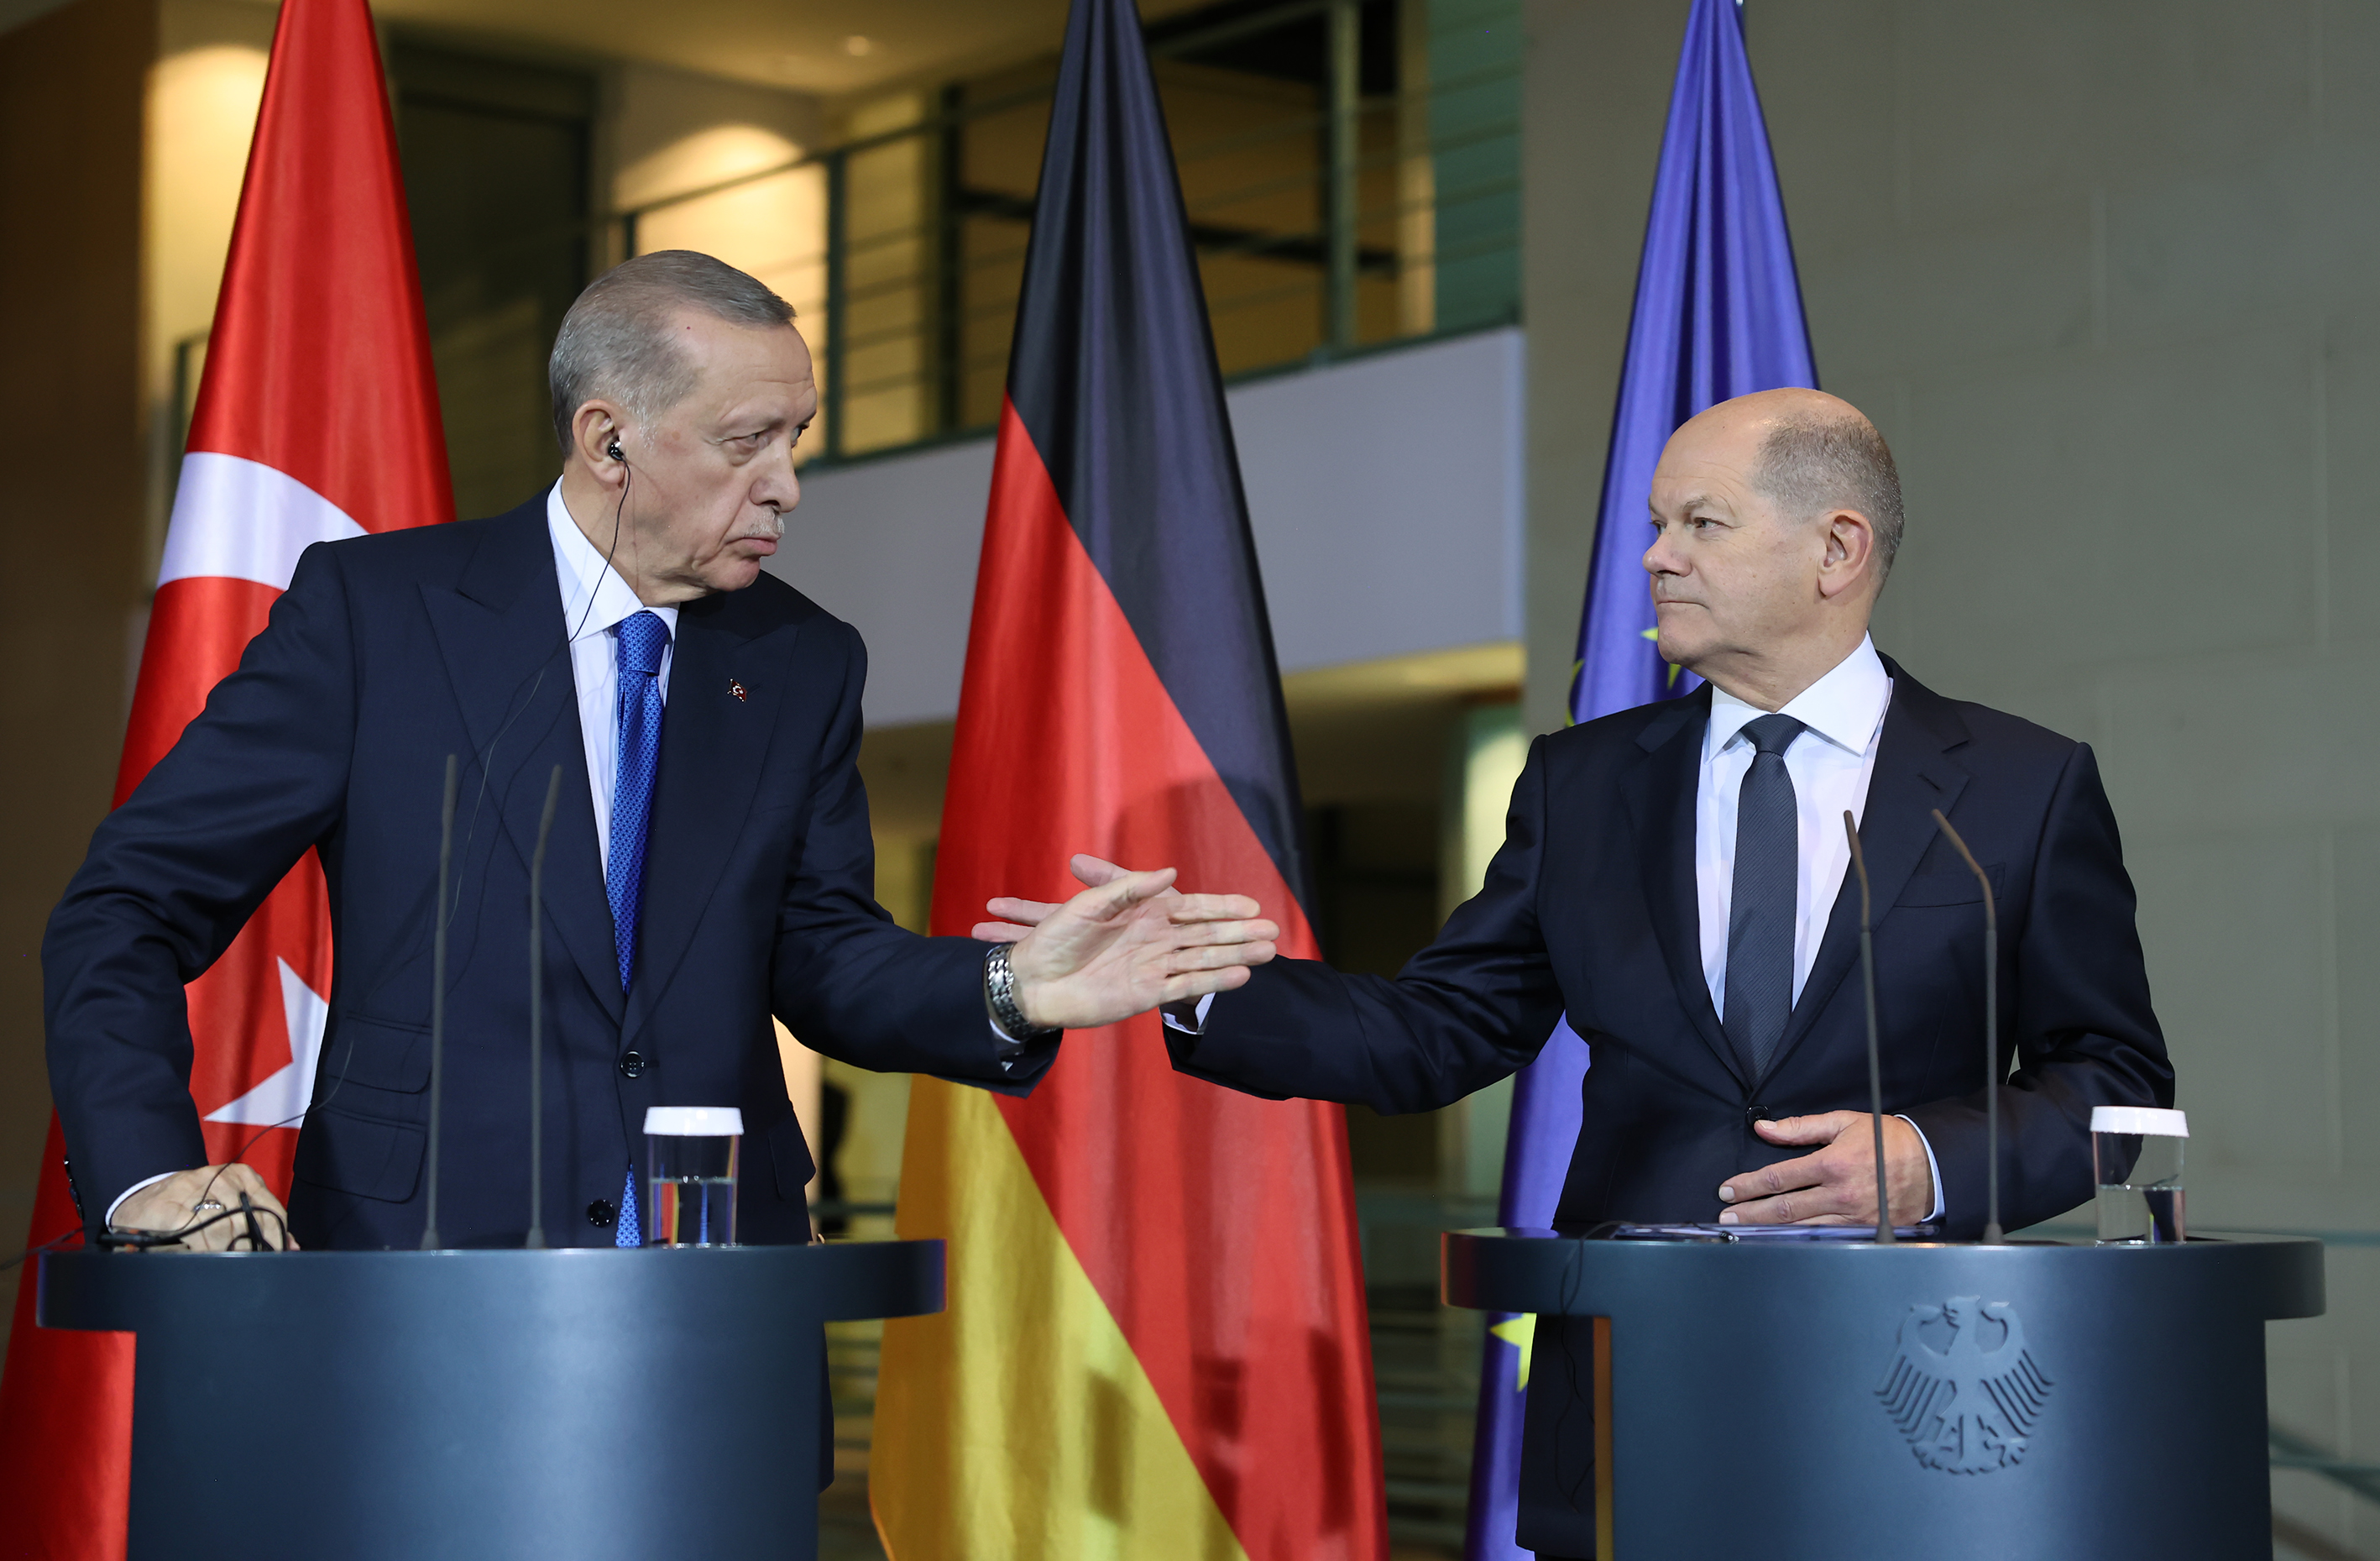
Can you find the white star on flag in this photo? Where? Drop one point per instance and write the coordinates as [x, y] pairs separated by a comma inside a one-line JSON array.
[[283, 1097]]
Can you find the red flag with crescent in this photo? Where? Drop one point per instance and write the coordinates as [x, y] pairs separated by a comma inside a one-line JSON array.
[[316, 419]]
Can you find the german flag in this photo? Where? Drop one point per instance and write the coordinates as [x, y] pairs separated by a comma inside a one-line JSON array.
[[1155, 1341]]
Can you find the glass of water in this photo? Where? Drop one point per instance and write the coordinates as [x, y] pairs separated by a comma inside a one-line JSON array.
[[691, 1151], [2136, 1154]]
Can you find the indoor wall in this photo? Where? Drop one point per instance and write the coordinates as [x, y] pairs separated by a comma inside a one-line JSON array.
[[2103, 275], [71, 89], [498, 156]]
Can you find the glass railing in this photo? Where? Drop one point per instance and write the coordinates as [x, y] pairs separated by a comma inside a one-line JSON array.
[[1351, 172]]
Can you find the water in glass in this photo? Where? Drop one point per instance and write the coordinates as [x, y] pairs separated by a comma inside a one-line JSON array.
[[2140, 1195], [693, 1210]]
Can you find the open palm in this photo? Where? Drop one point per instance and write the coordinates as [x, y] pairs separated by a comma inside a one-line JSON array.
[[1129, 941]]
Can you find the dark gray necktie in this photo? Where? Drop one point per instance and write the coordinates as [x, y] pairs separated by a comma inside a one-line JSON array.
[[1760, 910]]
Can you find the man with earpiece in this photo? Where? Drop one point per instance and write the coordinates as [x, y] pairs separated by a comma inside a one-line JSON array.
[[710, 865]]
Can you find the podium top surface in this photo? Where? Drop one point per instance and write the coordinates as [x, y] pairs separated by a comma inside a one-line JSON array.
[[1526, 1270], [830, 1282]]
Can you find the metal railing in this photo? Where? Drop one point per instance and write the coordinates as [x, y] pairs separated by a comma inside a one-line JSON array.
[[2292, 1451], [1328, 219]]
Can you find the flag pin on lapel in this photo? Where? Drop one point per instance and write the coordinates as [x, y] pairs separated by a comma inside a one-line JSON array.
[[737, 689]]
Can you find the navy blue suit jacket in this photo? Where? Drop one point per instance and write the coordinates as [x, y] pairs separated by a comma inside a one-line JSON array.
[[1590, 909], [386, 655]]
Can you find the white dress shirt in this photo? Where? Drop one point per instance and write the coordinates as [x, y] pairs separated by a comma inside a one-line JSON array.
[[1830, 764], [595, 601]]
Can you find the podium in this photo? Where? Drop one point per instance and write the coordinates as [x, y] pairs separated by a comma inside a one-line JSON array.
[[601, 1405], [1823, 1399]]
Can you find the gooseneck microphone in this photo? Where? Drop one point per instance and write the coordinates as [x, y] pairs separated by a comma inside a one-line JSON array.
[[1993, 1235], [438, 987], [537, 1016], [484, 761], [1884, 1236]]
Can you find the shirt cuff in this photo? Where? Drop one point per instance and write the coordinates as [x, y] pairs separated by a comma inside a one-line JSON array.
[[1932, 1165], [1190, 1019], [150, 1181]]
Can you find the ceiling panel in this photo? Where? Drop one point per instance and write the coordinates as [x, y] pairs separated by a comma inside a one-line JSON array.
[[832, 47]]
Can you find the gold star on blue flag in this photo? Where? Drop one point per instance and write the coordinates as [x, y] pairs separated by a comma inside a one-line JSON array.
[[1521, 1333]]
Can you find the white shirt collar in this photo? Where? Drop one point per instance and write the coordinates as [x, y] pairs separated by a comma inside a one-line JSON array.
[[1846, 706], [583, 572]]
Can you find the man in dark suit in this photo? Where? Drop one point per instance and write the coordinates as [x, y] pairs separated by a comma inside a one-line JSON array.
[[1673, 878], [710, 861]]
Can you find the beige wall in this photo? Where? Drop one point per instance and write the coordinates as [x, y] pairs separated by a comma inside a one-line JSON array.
[[671, 132], [2105, 276], [1592, 101], [71, 85], [203, 99]]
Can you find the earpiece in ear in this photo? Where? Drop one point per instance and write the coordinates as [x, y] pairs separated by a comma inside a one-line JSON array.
[[614, 452]]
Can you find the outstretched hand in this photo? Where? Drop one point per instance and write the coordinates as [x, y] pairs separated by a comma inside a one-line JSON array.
[[1129, 941]]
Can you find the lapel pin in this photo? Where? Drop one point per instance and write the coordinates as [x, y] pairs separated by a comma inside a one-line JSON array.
[[737, 689]]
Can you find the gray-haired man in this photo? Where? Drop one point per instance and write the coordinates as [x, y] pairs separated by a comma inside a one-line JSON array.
[[710, 865]]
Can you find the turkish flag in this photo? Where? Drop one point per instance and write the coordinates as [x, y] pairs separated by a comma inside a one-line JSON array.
[[316, 419]]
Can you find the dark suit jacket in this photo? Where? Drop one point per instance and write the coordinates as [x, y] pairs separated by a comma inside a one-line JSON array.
[[1590, 909], [386, 655]]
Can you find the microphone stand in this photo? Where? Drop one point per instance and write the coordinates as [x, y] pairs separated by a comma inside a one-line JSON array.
[[1884, 1236], [1993, 1235], [438, 990], [537, 1018]]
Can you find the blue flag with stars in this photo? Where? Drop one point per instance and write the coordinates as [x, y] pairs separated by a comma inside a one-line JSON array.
[[1718, 315]]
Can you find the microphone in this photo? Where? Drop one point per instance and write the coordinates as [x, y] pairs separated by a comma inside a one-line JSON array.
[[438, 989], [1992, 1233], [537, 1018], [1884, 1236]]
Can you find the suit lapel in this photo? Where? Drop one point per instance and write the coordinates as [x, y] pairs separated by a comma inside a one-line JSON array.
[[1660, 799], [500, 632], [1915, 774], [714, 744]]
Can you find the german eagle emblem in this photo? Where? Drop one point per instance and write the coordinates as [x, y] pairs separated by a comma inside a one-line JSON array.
[[1963, 1386]]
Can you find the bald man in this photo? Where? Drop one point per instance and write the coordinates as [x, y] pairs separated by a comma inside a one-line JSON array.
[[1674, 879]]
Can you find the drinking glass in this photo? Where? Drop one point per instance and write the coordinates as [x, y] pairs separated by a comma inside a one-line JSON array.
[[2136, 1154], [691, 1152]]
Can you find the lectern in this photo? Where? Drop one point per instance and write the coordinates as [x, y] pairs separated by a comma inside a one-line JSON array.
[[599, 1405], [1796, 1401]]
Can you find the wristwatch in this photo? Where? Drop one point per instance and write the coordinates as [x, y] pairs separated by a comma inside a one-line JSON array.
[[1000, 997]]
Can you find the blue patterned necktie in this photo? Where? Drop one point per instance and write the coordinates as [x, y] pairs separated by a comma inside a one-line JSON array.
[[641, 640], [1761, 917]]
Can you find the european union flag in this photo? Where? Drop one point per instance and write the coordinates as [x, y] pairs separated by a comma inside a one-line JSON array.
[[1718, 315]]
